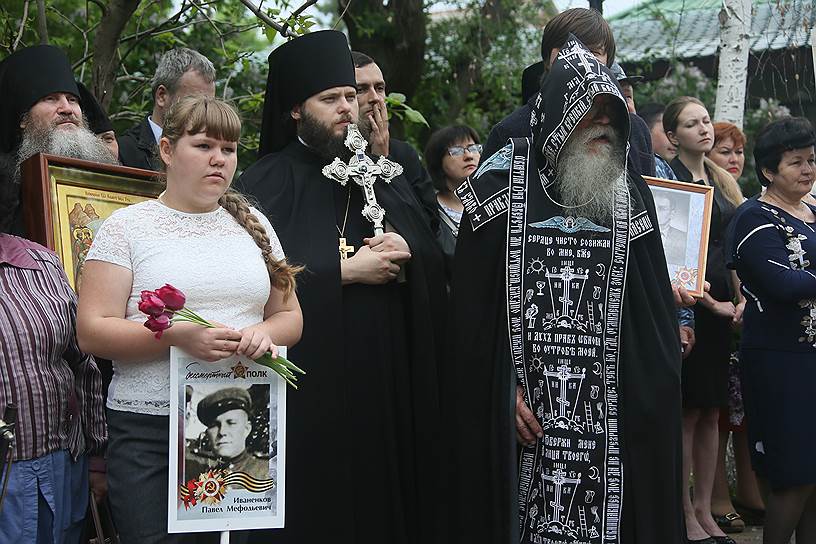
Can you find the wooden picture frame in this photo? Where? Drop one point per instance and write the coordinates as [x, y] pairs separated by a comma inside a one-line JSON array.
[[684, 221], [66, 200]]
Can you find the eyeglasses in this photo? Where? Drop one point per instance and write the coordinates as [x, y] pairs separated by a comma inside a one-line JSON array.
[[458, 150]]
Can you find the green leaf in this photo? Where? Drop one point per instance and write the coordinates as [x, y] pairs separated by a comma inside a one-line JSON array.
[[270, 33], [396, 98], [413, 116]]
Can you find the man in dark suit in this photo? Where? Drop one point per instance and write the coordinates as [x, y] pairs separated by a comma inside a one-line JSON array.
[[181, 72], [374, 125]]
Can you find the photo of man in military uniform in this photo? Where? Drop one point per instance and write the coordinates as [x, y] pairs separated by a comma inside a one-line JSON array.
[[227, 415]]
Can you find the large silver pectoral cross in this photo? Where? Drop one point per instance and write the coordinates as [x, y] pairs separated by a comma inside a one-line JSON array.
[[364, 172]]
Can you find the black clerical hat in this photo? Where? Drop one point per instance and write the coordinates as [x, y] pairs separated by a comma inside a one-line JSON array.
[[26, 76], [299, 69], [98, 121]]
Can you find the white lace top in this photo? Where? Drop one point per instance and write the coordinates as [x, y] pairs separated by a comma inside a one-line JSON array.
[[209, 256]]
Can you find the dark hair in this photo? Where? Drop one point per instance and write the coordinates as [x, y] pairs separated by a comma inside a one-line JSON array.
[[437, 148], [588, 25], [782, 135], [361, 59], [651, 112]]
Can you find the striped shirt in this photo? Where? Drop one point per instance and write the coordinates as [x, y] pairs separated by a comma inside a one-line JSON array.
[[57, 389]]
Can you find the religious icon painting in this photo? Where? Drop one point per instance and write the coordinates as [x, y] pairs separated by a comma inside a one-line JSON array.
[[227, 445], [684, 217], [68, 199]]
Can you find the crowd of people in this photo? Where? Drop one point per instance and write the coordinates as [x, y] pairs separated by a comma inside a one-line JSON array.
[[508, 362]]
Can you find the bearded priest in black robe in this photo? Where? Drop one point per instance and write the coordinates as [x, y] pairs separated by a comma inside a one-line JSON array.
[[567, 398], [363, 461]]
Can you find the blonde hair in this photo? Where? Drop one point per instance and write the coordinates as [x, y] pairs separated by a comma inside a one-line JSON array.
[[196, 114], [722, 180]]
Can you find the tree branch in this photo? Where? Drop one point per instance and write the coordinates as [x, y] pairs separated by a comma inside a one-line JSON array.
[[294, 15], [22, 27], [284, 29], [102, 6], [201, 8], [106, 44], [42, 26], [263, 17]]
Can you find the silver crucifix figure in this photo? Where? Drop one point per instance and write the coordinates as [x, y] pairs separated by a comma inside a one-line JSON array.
[[364, 172]]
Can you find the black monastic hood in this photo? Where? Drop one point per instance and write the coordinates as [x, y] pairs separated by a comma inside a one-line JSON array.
[[574, 80], [299, 69], [98, 121], [26, 76]]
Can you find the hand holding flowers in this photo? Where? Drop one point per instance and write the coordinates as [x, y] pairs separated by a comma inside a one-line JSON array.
[[207, 340]]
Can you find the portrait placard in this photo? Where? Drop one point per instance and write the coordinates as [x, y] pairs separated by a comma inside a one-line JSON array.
[[66, 201], [684, 217], [227, 445]]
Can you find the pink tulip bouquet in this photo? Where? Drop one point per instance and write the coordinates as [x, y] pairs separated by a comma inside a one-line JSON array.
[[165, 306]]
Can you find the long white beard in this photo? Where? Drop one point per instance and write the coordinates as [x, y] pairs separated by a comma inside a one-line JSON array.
[[588, 182], [77, 143]]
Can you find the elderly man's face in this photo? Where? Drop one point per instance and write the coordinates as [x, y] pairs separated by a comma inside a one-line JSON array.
[[60, 110], [597, 131], [591, 163], [229, 432]]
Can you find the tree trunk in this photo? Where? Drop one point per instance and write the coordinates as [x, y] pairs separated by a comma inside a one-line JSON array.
[[42, 26], [813, 45], [596, 4], [735, 28], [106, 43]]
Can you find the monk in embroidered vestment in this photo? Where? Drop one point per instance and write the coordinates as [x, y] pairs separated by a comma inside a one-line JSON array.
[[567, 366]]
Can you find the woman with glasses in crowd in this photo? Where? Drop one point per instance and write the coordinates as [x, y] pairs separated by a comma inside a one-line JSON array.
[[452, 154]]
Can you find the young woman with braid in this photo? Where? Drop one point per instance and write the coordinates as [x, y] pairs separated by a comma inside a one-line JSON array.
[[224, 255]]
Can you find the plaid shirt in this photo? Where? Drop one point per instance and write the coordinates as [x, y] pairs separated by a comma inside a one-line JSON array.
[[57, 389]]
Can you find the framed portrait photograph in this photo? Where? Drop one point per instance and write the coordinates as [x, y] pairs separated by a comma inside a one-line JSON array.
[[66, 201], [684, 217], [227, 445]]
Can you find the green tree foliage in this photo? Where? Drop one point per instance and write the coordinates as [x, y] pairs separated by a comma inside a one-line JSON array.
[[473, 62]]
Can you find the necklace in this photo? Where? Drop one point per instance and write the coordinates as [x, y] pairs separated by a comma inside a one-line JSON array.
[[345, 249], [796, 212]]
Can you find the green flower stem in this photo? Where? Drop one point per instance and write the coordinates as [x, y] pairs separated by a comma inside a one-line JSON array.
[[282, 367]]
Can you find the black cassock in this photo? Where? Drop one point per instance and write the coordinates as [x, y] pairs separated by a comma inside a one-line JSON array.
[[600, 367], [481, 396], [363, 443]]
